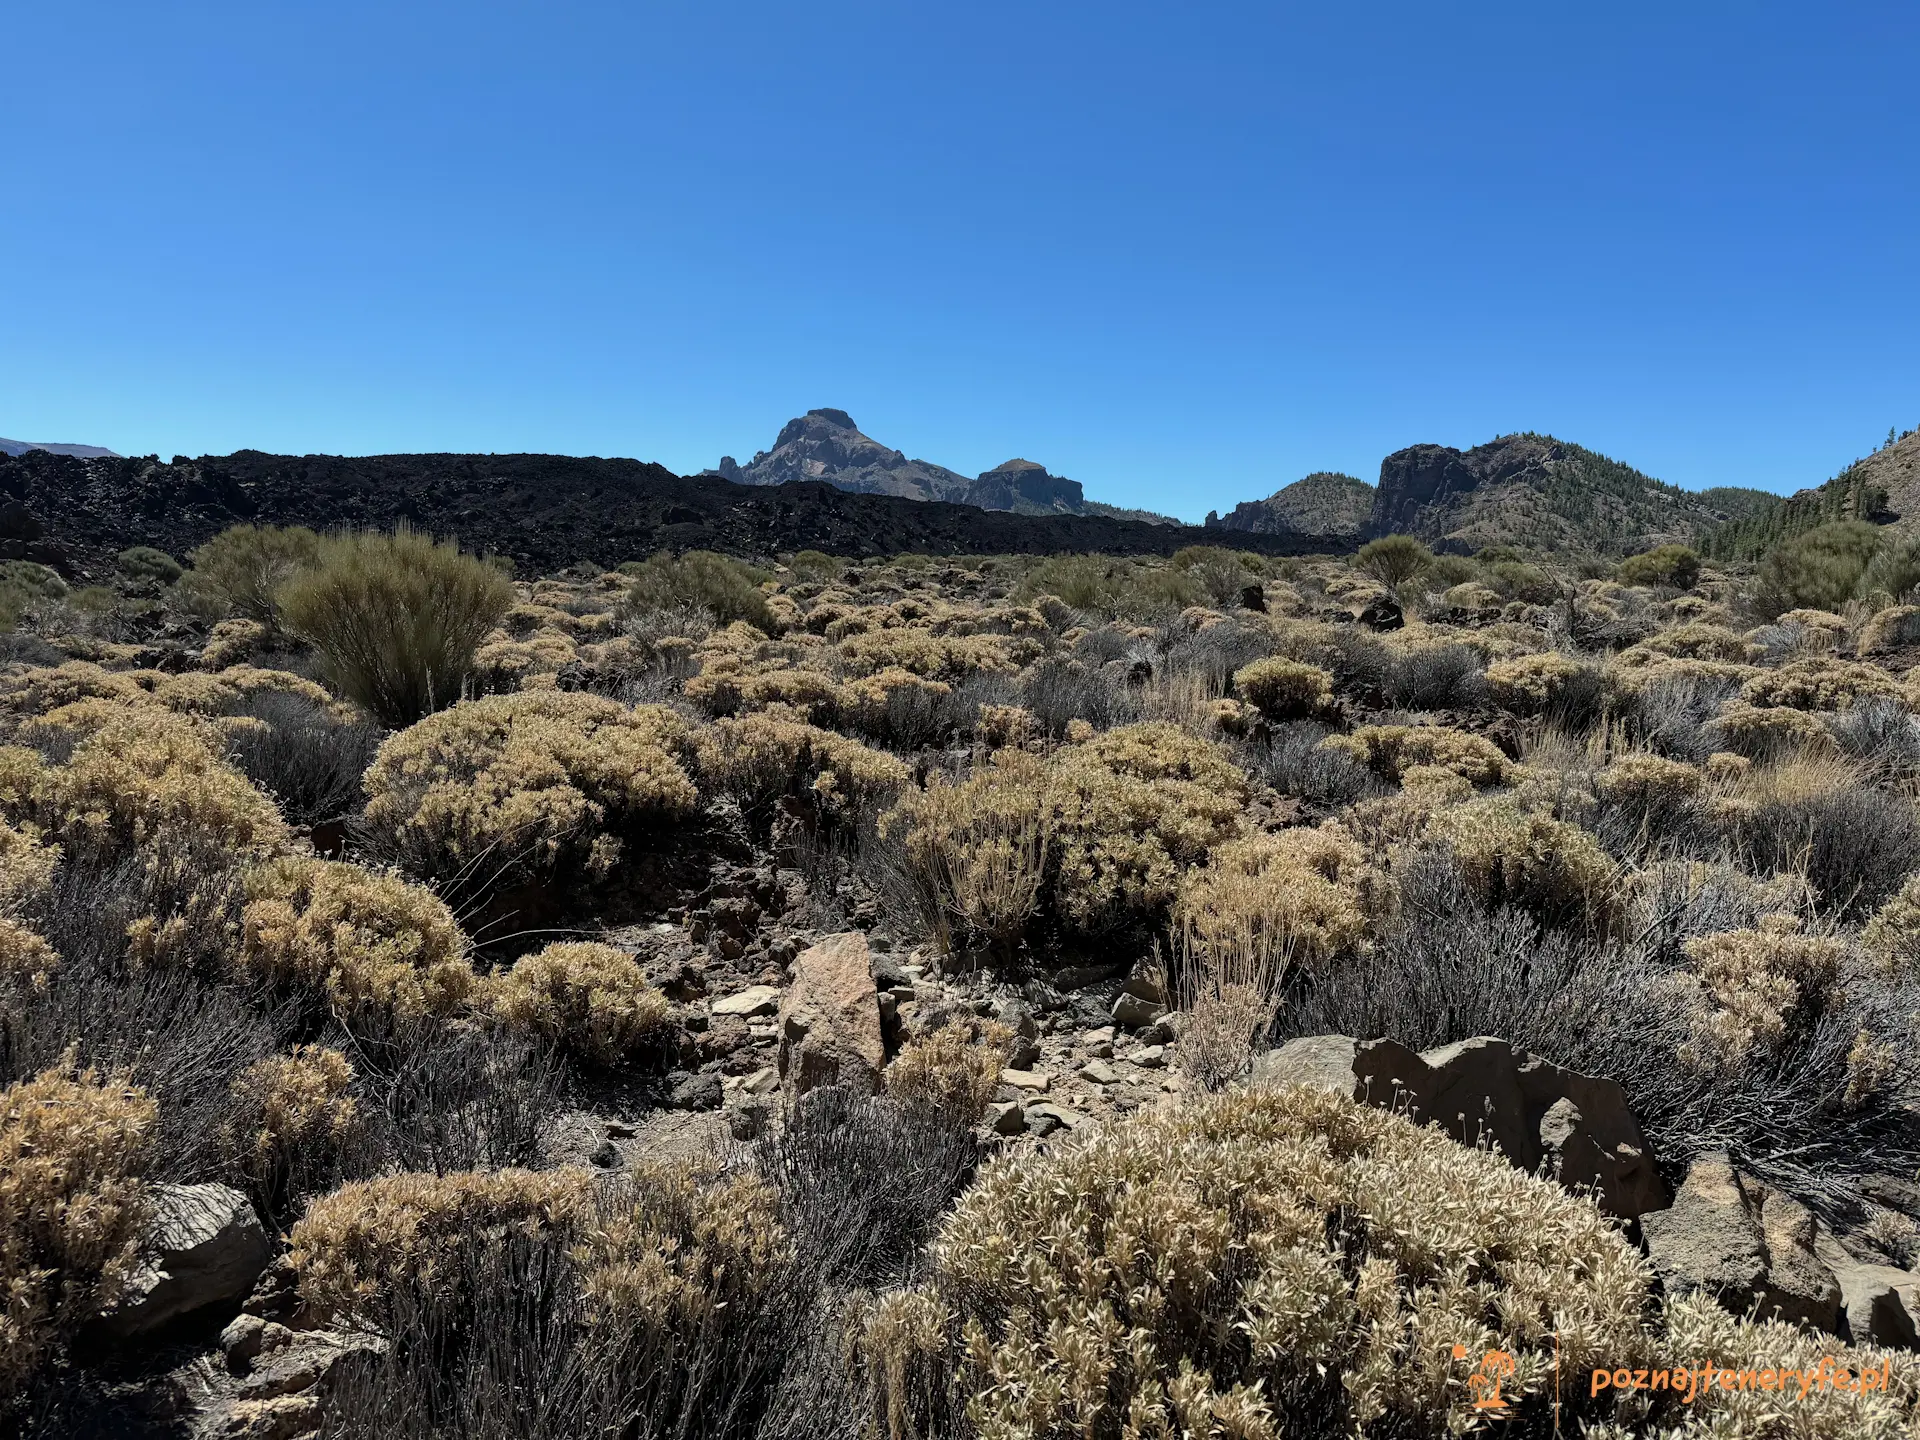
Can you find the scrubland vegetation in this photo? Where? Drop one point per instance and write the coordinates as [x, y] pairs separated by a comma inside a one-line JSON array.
[[356, 874]]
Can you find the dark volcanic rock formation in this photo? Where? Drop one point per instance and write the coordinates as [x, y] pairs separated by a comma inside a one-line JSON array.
[[544, 511]]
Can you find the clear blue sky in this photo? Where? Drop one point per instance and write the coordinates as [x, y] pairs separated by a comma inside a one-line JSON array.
[[1182, 253]]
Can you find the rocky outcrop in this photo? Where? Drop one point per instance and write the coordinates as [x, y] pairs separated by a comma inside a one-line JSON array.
[[204, 1248], [1535, 492], [1756, 1250], [84, 452], [1544, 1118], [829, 1022], [1325, 505]]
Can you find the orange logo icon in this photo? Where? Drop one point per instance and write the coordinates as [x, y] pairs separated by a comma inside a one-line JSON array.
[[1484, 1384]]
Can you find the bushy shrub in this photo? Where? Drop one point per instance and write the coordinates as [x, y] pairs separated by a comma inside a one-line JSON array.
[[1550, 868], [1892, 935], [1891, 628], [1648, 804], [982, 850], [1755, 981], [1766, 732], [1894, 570], [816, 565], [954, 1069], [396, 618], [764, 758], [1266, 903], [1436, 677], [1547, 682], [1132, 809], [242, 569], [533, 787], [1285, 689], [306, 756], [1676, 566], [291, 1124], [1388, 750], [1393, 559], [355, 1243], [143, 562], [137, 779], [1261, 1263], [73, 1147], [1698, 641], [1819, 684], [1822, 819], [591, 999], [339, 935], [1820, 569], [701, 581]]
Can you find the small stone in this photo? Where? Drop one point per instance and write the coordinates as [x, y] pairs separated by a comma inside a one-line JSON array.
[[1042, 1122], [1007, 1119], [1131, 1010], [1057, 1114], [1099, 1072], [696, 1092], [1038, 1081], [754, 1000], [1149, 1056], [763, 1081], [748, 1121], [605, 1156], [621, 1130]]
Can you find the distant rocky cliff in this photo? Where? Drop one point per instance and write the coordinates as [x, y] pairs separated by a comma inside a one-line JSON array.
[[1324, 504]]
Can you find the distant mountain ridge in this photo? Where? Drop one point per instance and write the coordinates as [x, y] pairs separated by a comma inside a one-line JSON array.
[[1325, 504], [826, 445], [1883, 488], [84, 452], [1541, 493]]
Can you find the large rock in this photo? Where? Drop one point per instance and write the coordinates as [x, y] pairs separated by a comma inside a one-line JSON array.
[[829, 1022], [1577, 1128], [1745, 1245], [204, 1247], [1881, 1302]]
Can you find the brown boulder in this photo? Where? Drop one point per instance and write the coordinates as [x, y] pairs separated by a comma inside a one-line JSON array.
[[829, 1021]]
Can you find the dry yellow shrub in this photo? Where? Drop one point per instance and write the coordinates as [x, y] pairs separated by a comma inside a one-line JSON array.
[[1181, 1271], [199, 694], [1889, 629], [1529, 683], [350, 1242], [290, 1114], [1648, 780], [1512, 856], [503, 663], [72, 1205], [1003, 725], [672, 1248], [866, 702], [590, 998], [955, 1069], [1132, 809], [1818, 684], [1892, 936], [1768, 732], [1259, 905], [764, 757], [38, 690], [1754, 981], [232, 641], [1698, 642], [1388, 750], [374, 943], [984, 847], [1282, 689], [142, 778], [535, 785], [935, 657]]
